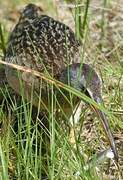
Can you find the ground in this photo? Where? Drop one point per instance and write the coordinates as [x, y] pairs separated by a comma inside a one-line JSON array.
[[102, 48]]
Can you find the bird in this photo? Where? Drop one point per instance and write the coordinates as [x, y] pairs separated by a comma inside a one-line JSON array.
[[48, 46]]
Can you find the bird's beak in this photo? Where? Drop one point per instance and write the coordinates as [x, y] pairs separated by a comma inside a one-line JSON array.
[[107, 131]]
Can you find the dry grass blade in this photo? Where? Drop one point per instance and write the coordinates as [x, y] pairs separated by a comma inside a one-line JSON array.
[[57, 83]]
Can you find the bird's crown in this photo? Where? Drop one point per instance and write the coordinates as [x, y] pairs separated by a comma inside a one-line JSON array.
[[31, 11]]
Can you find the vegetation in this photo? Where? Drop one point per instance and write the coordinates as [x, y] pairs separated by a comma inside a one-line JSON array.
[[37, 146]]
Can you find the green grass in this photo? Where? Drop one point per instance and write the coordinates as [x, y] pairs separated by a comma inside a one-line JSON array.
[[31, 150]]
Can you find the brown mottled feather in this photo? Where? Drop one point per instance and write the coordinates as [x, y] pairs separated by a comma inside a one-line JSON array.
[[44, 44], [38, 40]]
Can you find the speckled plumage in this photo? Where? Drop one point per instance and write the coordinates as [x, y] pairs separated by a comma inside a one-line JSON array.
[[46, 45], [39, 41]]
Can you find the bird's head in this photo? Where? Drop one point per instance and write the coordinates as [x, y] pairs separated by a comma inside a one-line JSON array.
[[84, 78], [31, 11]]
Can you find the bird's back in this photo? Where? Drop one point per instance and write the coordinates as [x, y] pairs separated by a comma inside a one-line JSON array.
[[38, 41]]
